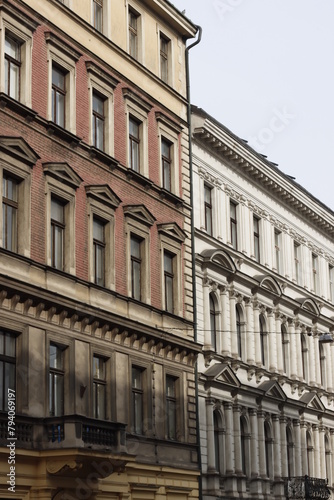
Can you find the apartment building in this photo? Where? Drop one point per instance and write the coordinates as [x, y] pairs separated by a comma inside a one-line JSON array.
[[97, 348], [265, 308]]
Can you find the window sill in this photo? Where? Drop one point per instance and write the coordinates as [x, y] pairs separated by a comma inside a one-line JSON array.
[[17, 106]]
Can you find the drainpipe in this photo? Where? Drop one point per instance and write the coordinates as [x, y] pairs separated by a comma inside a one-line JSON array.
[[199, 31]]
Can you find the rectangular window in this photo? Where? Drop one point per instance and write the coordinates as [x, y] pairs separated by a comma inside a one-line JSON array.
[[134, 144], [296, 251], [233, 225], [7, 367], [208, 209], [256, 234], [98, 14], [136, 264], [9, 213], [171, 407], [133, 33], [315, 273], [56, 381], [169, 281], [137, 400], [58, 95], [99, 250], [98, 121], [164, 49], [166, 164], [331, 282], [99, 387], [57, 233], [12, 67], [278, 247]]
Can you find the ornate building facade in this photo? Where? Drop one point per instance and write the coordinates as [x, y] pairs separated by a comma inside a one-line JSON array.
[[97, 346], [265, 308]]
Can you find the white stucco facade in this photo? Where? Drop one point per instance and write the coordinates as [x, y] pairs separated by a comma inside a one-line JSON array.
[[265, 298]]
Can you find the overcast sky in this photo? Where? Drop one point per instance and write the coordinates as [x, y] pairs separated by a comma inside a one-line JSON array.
[[265, 69]]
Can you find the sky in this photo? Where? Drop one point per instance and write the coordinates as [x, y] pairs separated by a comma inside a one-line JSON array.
[[265, 70]]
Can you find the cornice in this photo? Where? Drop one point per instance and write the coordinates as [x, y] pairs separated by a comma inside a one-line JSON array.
[[254, 166]]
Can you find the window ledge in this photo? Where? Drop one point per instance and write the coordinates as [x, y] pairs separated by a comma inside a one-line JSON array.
[[18, 107], [141, 179], [103, 157], [176, 200], [62, 133]]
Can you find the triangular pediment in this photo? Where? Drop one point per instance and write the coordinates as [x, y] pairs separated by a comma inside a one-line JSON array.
[[223, 374], [104, 194], [18, 147], [172, 230], [139, 213], [272, 389], [312, 401], [220, 258], [63, 173]]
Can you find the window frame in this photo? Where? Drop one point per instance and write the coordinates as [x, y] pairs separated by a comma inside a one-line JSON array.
[[99, 244], [297, 248], [97, 381], [165, 56], [331, 282], [56, 372], [315, 273], [208, 209], [102, 84], [278, 241], [256, 238], [10, 205], [98, 120], [16, 63], [234, 224], [65, 58], [137, 392], [6, 359], [170, 132]]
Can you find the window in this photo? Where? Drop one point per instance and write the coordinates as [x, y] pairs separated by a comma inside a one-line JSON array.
[[169, 281], [98, 119], [133, 33], [310, 450], [99, 387], [213, 326], [164, 52], [297, 258], [61, 59], [99, 251], [171, 407], [12, 67], [7, 367], [9, 213], [101, 108], [263, 340], [56, 380], [136, 264], [166, 164], [243, 445], [256, 234], [208, 208], [57, 233], [290, 454], [268, 449], [322, 365], [134, 144], [216, 431], [233, 225], [304, 356], [98, 14], [58, 95], [315, 274], [137, 400], [285, 348], [278, 245], [331, 282], [239, 334]]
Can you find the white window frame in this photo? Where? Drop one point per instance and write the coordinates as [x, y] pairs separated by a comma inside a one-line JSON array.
[[23, 33], [62, 55], [170, 131]]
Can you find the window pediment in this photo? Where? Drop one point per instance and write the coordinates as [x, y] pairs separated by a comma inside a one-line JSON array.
[[312, 401], [104, 194], [220, 258], [172, 230], [311, 306], [18, 147], [63, 173], [268, 283], [140, 213], [223, 374], [271, 389]]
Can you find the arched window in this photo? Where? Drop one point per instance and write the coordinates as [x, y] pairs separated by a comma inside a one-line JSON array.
[[263, 339], [238, 327], [303, 342], [289, 452], [268, 449], [213, 323], [309, 449], [285, 349]]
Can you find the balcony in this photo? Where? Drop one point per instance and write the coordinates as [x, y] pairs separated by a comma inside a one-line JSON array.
[[70, 431], [307, 488]]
